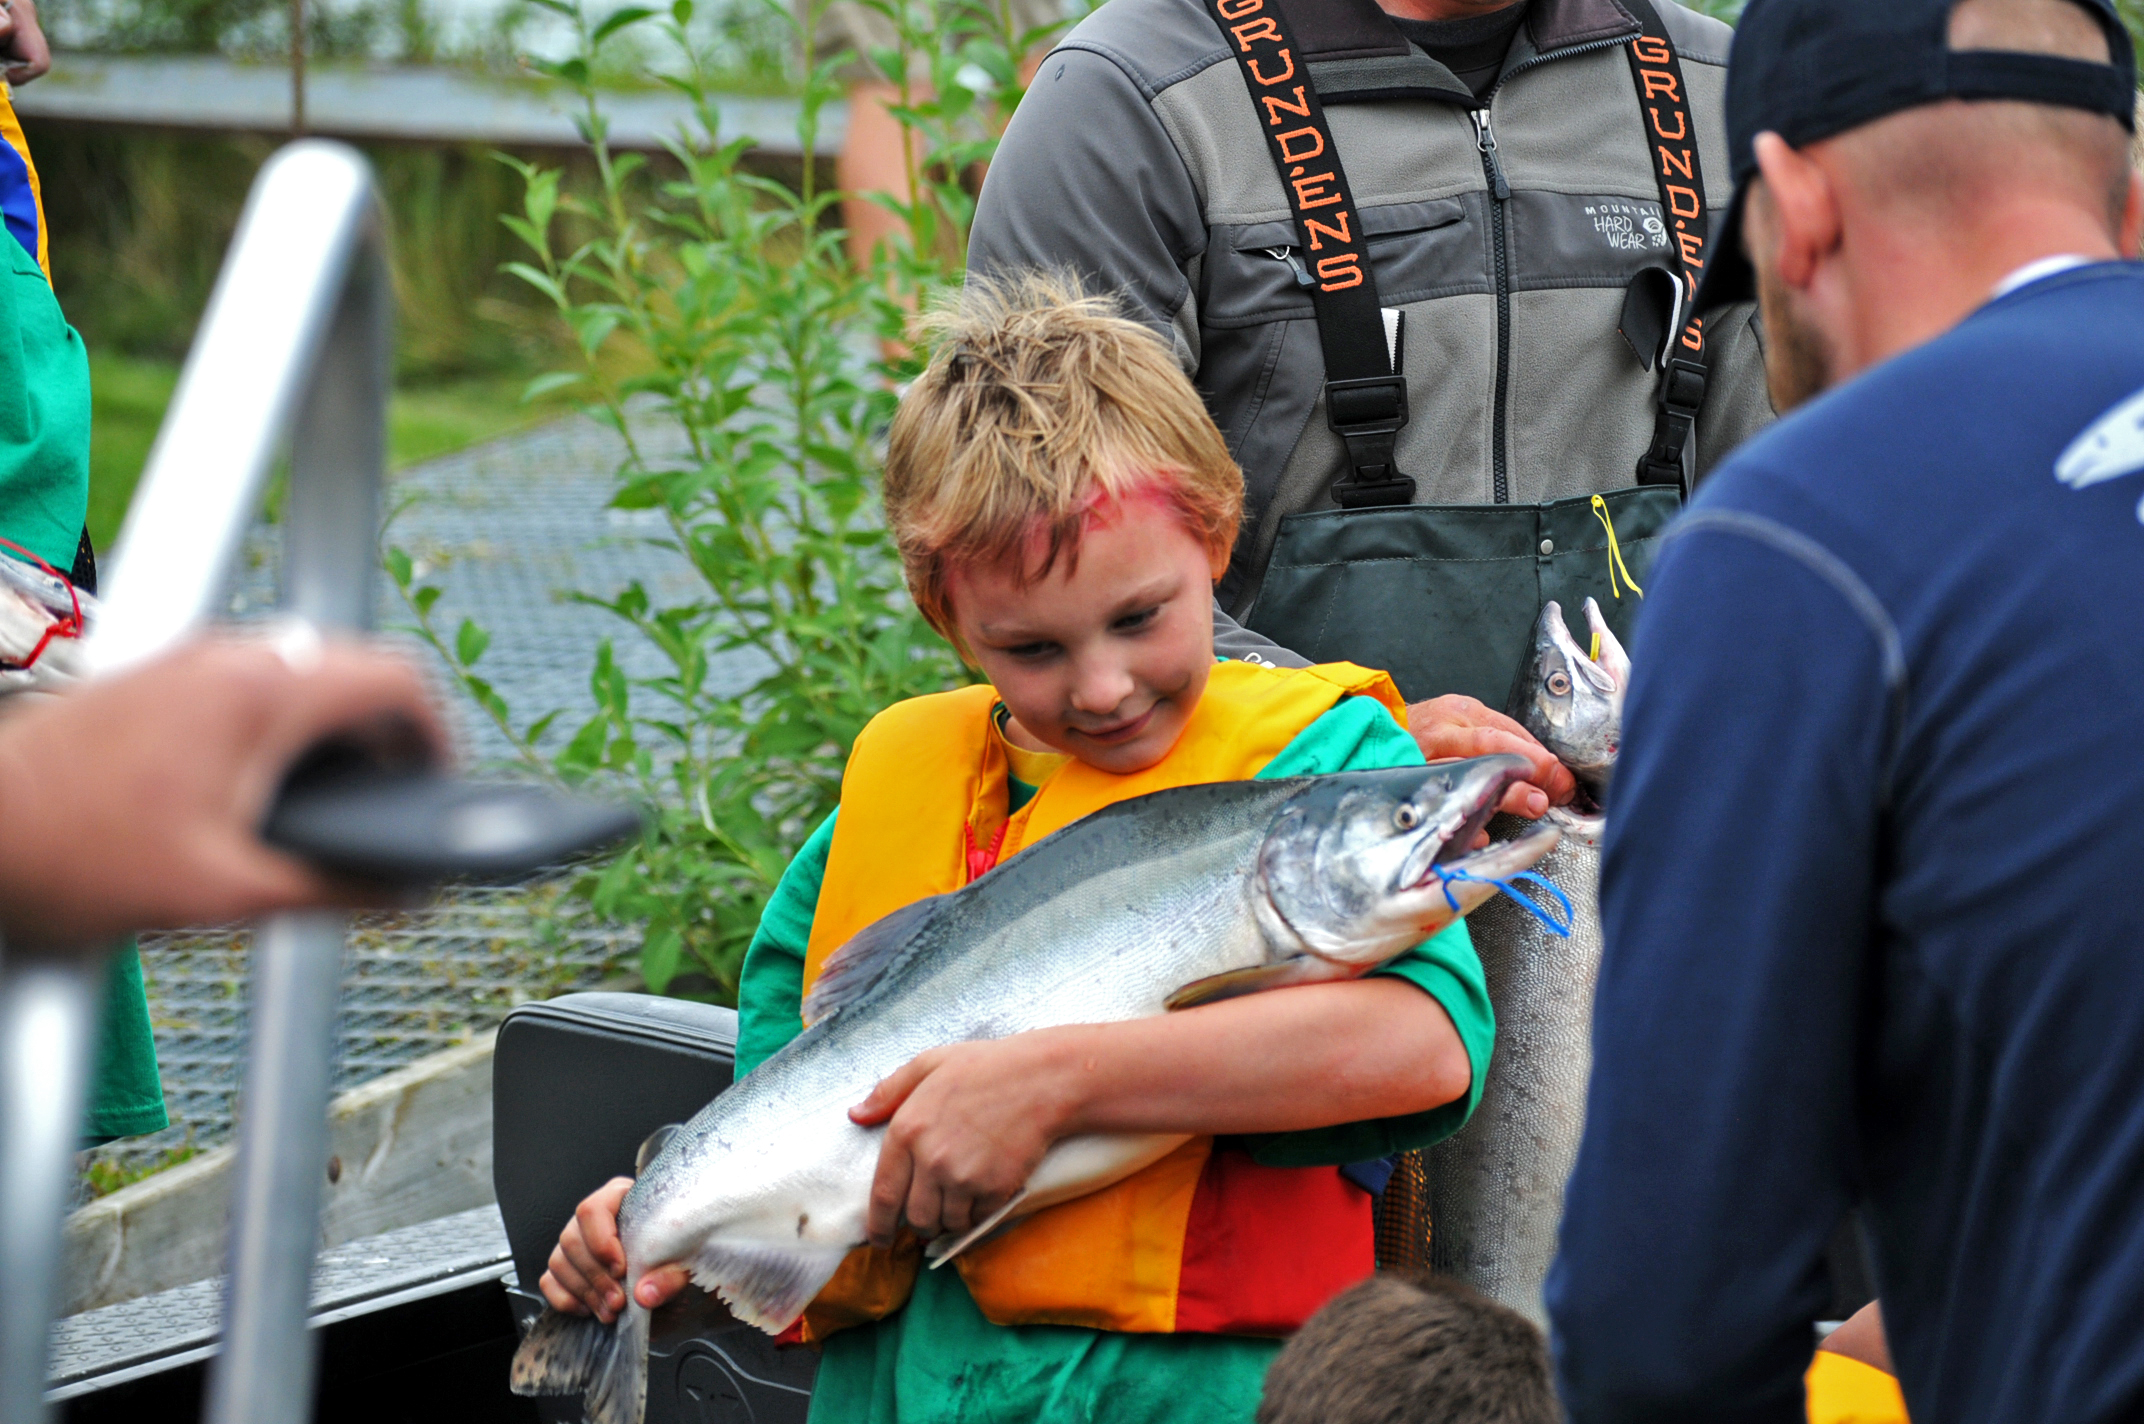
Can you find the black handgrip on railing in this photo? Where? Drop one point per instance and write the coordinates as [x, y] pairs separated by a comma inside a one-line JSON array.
[[349, 813]]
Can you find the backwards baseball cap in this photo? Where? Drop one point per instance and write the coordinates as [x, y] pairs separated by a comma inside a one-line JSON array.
[[1808, 70]]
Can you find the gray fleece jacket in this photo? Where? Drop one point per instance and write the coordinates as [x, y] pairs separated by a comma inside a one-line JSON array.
[[1137, 160]]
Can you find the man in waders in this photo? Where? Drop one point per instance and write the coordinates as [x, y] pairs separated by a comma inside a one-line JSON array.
[[1869, 892], [1428, 262]]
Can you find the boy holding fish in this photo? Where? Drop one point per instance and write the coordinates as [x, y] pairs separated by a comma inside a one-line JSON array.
[[1063, 504]]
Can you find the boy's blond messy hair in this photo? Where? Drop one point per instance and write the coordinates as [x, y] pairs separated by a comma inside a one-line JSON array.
[[1040, 402]]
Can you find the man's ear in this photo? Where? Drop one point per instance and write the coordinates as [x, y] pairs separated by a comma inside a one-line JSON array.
[[1804, 217]]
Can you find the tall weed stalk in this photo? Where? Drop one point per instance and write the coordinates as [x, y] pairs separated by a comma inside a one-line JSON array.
[[726, 337]]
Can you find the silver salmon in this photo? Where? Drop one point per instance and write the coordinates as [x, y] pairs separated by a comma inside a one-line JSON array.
[[1496, 1185], [1163, 902]]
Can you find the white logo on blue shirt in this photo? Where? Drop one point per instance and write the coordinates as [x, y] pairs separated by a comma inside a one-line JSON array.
[[2112, 448]]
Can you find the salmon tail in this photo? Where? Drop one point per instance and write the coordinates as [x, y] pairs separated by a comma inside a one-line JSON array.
[[607, 1365], [763, 1284]]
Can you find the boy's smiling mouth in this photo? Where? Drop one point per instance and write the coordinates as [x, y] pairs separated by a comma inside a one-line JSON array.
[[1117, 733]]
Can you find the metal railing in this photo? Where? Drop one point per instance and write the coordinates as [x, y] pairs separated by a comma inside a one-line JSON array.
[[295, 342]]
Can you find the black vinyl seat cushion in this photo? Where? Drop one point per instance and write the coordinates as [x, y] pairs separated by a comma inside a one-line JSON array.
[[578, 1083]]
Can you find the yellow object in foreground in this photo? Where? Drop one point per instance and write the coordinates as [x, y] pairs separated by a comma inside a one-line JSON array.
[[1845, 1391]]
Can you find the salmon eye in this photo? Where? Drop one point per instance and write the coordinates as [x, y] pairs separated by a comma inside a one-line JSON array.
[[1407, 818], [1560, 683]]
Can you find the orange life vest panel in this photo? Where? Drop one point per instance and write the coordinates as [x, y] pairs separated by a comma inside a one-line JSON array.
[[1203, 1240]]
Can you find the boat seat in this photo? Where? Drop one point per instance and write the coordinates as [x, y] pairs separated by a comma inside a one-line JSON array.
[[578, 1084]]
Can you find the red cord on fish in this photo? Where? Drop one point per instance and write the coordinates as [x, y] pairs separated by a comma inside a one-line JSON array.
[[67, 627]]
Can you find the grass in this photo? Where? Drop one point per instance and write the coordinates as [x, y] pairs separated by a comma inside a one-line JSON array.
[[108, 1177], [423, 421]]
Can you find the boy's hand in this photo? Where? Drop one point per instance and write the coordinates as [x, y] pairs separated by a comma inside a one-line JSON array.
[[966, 1127], [587, 1267], [1454, 728]]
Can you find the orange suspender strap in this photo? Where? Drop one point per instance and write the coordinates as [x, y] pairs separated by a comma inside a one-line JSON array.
[[1671, 141], [1365, 387]]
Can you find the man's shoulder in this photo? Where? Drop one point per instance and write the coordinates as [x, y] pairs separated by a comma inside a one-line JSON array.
[[1157, 43], [1895, 469], [1698, 39], [2024, 372]]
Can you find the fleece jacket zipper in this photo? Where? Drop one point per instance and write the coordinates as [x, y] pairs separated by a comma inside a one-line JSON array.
[[1500, 190]]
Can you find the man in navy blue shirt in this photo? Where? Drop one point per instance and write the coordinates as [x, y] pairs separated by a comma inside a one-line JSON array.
[[1874, 882]]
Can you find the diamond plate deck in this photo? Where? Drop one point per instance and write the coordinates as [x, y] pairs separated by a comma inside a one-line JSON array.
[[101, 1348]]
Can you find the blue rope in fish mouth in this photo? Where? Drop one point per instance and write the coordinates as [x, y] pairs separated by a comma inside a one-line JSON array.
[[1447, 874]]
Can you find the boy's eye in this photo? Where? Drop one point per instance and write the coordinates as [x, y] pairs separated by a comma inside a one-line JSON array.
[[1031, 652], [1132, 622]]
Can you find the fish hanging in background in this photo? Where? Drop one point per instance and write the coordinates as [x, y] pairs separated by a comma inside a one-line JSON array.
[[1496, 1186], [1572, 702], [1162, 902]]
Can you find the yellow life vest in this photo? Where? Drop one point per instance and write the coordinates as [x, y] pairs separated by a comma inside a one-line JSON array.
[[1202, 1240]]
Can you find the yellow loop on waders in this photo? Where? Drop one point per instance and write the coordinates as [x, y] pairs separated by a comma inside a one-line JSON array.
[[1615, 560]]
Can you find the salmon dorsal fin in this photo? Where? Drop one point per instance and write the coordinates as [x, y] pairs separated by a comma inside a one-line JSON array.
[[851, 971]]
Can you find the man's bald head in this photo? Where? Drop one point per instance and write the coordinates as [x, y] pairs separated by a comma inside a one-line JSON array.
[[1958, 155]]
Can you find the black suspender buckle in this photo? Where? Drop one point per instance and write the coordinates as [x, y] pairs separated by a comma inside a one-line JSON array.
[[1682, 395], [1369, 414]]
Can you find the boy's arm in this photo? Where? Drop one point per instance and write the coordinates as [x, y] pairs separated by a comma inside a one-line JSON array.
[[968, 1124], [1359, 735]]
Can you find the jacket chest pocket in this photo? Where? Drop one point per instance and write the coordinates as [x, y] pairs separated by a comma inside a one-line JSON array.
[[1258, 273]]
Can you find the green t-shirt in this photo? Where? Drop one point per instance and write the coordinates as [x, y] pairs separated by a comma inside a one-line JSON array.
[[44, 496], [938, 1359]]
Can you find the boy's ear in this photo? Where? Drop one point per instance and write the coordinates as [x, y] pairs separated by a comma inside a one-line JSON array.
[[1217, 559]]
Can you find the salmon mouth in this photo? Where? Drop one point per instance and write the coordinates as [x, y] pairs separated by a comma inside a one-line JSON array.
[[1495, 862], [1490, 784]]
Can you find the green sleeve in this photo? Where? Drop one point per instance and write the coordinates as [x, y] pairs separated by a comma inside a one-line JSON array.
[[770, 989], [1360, 735]]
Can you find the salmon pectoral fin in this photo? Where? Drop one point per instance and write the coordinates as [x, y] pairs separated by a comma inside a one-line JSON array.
[[945, 1248], [1074, 1167], [764, 1283], [607, 1365], [1302, 969]]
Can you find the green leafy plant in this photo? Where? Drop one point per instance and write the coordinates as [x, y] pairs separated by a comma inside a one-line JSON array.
[[725, 336]]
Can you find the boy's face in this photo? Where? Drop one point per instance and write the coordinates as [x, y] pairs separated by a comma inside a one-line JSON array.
[[1104, 661]]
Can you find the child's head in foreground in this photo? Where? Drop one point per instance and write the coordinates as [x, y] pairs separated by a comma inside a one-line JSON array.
[[1401, 1349], [1063, 504]]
